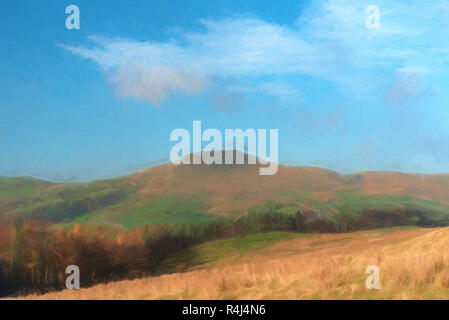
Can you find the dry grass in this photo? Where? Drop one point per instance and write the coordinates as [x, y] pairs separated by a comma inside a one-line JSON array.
[[414, 264]]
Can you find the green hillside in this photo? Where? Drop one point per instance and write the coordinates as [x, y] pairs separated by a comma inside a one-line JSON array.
[[180, 195]]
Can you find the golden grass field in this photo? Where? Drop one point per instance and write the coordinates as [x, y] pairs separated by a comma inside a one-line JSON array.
[[414, 264]]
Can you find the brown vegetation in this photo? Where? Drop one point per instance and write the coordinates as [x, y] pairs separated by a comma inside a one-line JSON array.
[[414, 264], [233, 189]]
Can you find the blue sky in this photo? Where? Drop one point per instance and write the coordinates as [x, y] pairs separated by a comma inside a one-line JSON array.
[[101, 101]]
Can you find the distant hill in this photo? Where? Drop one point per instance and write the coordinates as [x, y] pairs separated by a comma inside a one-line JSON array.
[[196, 193]]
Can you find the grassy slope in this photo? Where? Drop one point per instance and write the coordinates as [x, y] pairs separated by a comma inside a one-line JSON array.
[[137, 211], [192, 194], [22, 195], [206, 253], [26, 196], [413, 265]]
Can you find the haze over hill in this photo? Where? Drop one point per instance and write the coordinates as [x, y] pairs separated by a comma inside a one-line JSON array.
[[195, 193]]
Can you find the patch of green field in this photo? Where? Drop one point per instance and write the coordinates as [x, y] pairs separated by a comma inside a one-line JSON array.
[[10, 187], [351, 204], [356, 201], [16, 193], [208, 252], [173, 209]]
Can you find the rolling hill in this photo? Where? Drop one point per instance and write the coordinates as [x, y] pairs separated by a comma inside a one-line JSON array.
[[184, 194]]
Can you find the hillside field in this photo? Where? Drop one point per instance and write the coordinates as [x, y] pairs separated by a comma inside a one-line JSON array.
[[413, 262]]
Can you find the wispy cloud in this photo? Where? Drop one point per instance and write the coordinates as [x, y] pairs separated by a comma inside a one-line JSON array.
[[329, 42], [154, 83]]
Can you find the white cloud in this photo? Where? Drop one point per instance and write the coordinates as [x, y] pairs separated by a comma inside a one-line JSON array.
[[154, 83], [330, 42]]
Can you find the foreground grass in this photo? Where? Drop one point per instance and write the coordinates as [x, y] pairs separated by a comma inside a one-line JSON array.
[[414, 264]]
